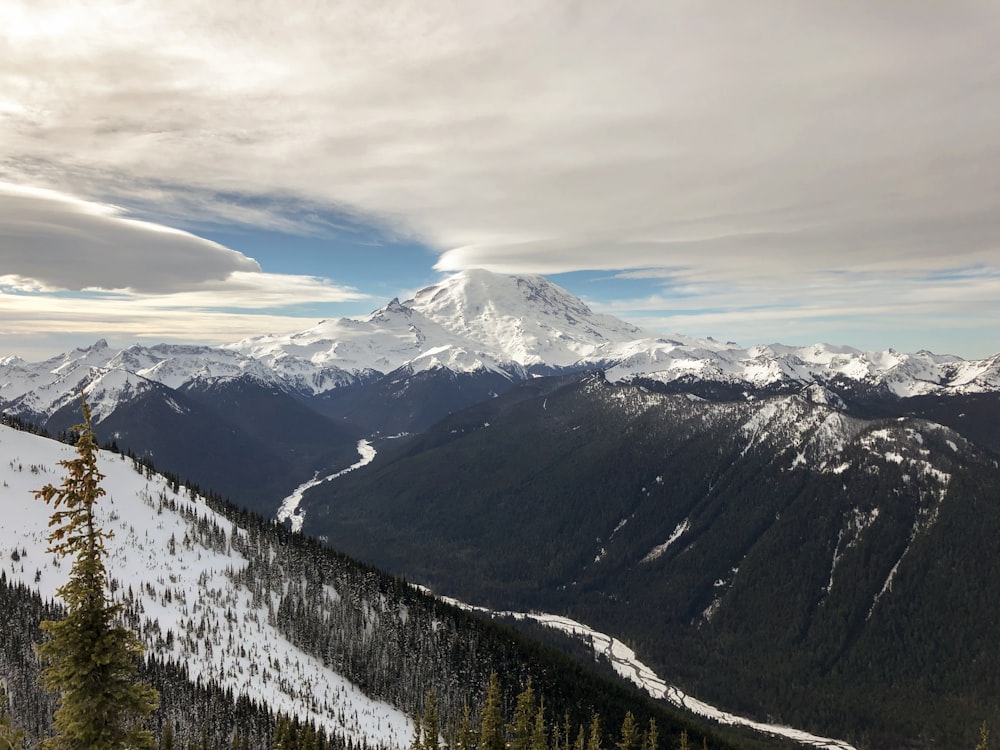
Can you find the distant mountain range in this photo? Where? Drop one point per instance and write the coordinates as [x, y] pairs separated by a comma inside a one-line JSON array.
[[474, 322], [800, 534]]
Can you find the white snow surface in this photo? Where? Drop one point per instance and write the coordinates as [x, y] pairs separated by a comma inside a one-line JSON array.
[[195, 577], [470, 321], [289, 510], [659, 549], [474, 321], [903, 374], [625, 662], [112, 376]]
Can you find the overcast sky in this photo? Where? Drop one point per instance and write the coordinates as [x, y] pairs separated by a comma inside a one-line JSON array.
[[763, 171]]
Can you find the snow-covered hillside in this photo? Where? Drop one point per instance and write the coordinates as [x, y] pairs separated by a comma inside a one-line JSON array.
[[176, 561], [110, 376], [470, 322]]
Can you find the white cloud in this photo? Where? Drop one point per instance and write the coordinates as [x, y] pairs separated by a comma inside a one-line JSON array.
[[865, 310], [755, 143], [34, 326], [50, 241]]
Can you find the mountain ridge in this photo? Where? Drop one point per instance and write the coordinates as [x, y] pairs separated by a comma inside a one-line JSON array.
[[481, 322]]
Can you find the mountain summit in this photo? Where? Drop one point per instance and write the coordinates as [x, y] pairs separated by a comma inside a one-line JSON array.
[[518, 325], [472, 320], [527, 318]]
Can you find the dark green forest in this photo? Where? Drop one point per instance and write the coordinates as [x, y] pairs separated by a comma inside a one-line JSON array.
[[846, 600]]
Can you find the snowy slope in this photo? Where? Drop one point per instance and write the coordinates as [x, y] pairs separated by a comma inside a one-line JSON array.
[[903, 375], [526, 319], [195, 598], [389, 338]]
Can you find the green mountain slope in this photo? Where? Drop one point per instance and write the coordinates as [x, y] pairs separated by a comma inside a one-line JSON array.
[[776, 556]]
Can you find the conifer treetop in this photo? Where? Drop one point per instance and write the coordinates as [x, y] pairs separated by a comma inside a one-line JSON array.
[[91, 657], [75, 530]]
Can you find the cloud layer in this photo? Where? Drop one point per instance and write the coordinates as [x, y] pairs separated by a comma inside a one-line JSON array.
[[748, 144], [60, 242]]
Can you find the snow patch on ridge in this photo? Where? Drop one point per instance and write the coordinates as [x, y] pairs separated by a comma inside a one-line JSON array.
[[659, 549]]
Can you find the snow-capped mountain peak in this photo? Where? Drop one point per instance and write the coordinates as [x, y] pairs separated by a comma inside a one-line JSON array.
[[527, 319], [486, 320]]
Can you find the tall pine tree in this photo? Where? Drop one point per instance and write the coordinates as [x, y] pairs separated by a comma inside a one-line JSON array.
[[491, 730], [984, 738], [431, 730], [651, 737], [629, 738], [90, 657], [594, 740], [539, 735], [524, 717]]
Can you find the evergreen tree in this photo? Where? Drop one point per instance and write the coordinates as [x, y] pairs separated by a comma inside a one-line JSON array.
[[651, 737], [556, 736], [629, 738], [307, 737], [984, 738], [167, 736], [465, 735], [524, 716], [432, 731], [491, 735], [685, 744], [594, 736], [90, 658], [11, 737], [417, 741], [539, 735], [283, 734]]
